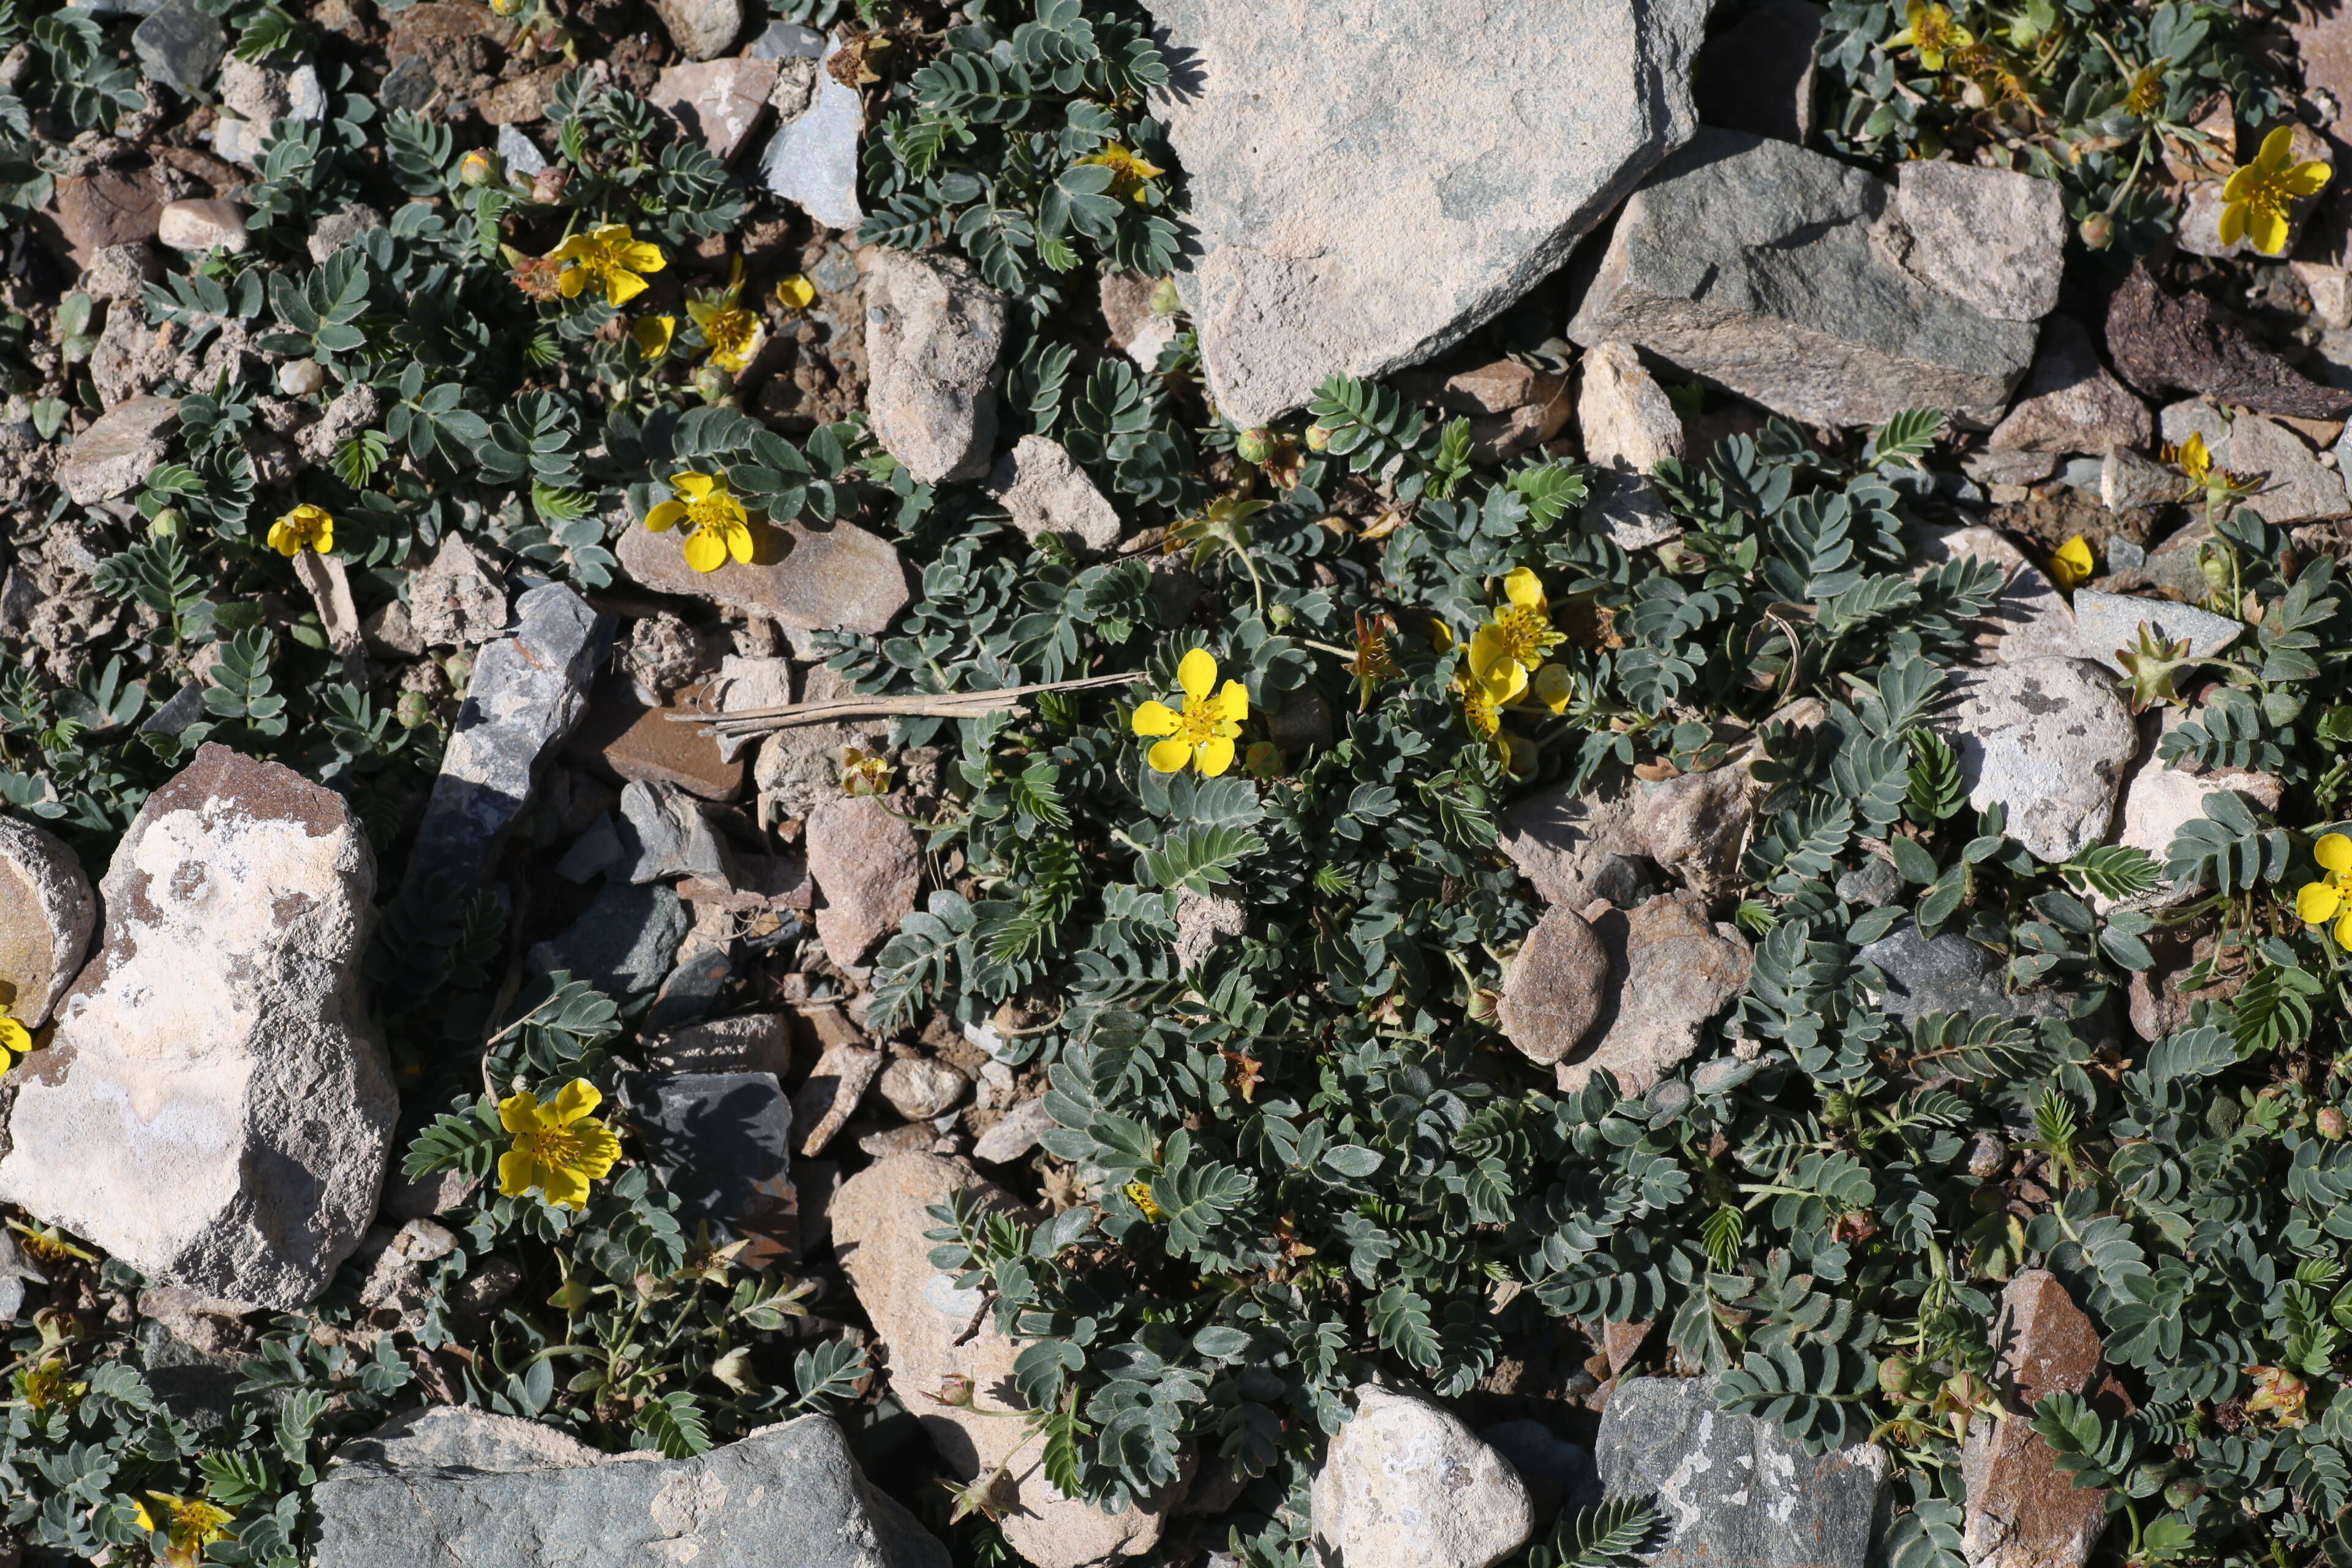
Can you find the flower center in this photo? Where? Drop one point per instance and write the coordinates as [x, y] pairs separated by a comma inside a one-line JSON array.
[[730, 330], [2266, 192], [710, 512], [558, 1147], [1199, 722], [1525, 633]]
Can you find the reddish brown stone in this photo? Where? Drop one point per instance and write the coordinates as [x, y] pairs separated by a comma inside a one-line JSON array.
[[121, 205], [640, 743], [2023, 1511], [2160, 343]]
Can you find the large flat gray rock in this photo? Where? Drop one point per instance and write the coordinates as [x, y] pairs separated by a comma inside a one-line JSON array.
[[493, 1489], [1457, 154], [1781, 274], [1733, 1491]]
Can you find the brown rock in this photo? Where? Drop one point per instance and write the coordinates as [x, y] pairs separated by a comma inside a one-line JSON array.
[[115, 454], [1694, 826], [2023, 1511], [839, 1080], [867, 866], [1510, 407], [120, 205], [524, 99], [203, 225], [1671, 971], [807, 578], [2160, 343], [1554, 988], [639, 742], [2070, 403], [458, 600], [938, 1338], [1045, 491], [47, 914]]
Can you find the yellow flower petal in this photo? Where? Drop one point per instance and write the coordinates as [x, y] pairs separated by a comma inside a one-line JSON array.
[[1232, 702], [2307, 179], [706, 552], [2266, 230], [1215, 756], [1155, 719], [572, 249], [1196, 672], [566, 1189], [578, 1098], [1554, 687], [739, 541], [1488, 650], [516, 1174], [665, 516], [1169, 756], [13, 1036], [571, 282], [2316, 903], [620, 287], [1525, 589], [643, 257], [2344, 931], [2333, 852], [2278, 150], [1506, 683], [518, 1113], [694, 487], [653, 334]]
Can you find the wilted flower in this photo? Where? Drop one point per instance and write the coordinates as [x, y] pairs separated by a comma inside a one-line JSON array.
[[2258, 199], [606, 255], [307, 527], [1930, 32], [547, 186], [2278, 1393], [2073, 563], [559, 1147], [190, 1524], [717, 524], [1128, 170], [863, 773], [48, 1384], [539, 277], [1204, 733], [1139, 1194], [1375, 660]]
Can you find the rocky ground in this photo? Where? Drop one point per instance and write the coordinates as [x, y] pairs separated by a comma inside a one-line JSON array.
[[318, 860]]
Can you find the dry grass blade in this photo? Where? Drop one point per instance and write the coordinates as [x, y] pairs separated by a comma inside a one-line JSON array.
[[928, 705]]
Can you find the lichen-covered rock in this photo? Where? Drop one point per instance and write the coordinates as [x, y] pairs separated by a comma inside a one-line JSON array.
[[1449, 181], [498, 1490], [2050, 738], [933, 1334], [1736, 1490], [1774, 271], [216, 1107], [1406, 1485], [47, 914]]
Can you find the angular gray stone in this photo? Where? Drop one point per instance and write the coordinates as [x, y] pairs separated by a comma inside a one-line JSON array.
[[1626, 417], [2128, 482], [526, 692], [1450, 179], [702, 30], [180, 45], [458, 600], [519, 152], [2030, 617], [722, 1142], [667, 835], [1950, 974], [1993, 237], [1554, 988], [1016, 1133], [2106, 622], [2296, 485], [751, 1042], [623, 942], [216, 1108], [2070, 402], [497, 1489], [1406, 1485], [723, 102], [1767, 269], [933, 334], [47, 914], [1734, 1492], [812, 159], [919, 1087], [804, 577], [2049, 737], [114, 456], [1670, 972], [787, 40], [867, 866], [1045, 491]]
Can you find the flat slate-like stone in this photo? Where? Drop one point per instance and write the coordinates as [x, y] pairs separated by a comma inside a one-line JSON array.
[[806, 578], [1456, 162], [1774, 271], [2106, 622], [811, 161], [486, 1489], [1734, 1491]]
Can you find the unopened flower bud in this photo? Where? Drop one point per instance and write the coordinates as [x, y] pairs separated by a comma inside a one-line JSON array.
[[2098, 231], [1837, 1108], [2215, 566], [171, 522], [547, 185], [2329, 1124], [460, 669], [1280, 614], [477, 168], [1165, 299], [414, 711], [1255, 445], [713, 384], [1895, 1376], [1318, 439]]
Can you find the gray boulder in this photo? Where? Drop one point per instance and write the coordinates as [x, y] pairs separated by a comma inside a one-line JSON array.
[[497, 1490], [2109, 622], [1778, 273], [933, 334], [1948, 973], [1045, 491], [528, 691], [2049, 737], [1449, 179], [811, 161], [1732, 1490], [216, 1108]]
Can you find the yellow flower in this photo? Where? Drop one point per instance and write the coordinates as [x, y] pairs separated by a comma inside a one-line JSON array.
[[653, 334], [862, 773], [2073, 563], [1553, 687], [307, 527], [45, 1383], [717, 525], [1931, 33], [607, 255], [1139, 1194], [15, 1038], [559, 1147], [2191, 459], [1203, 733], [1483, 697], [1521, 633], [795, 293], [2330, 898], [731, 334], [2257, 199], [2147, 94], [190, 1524], [1128, 170]]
